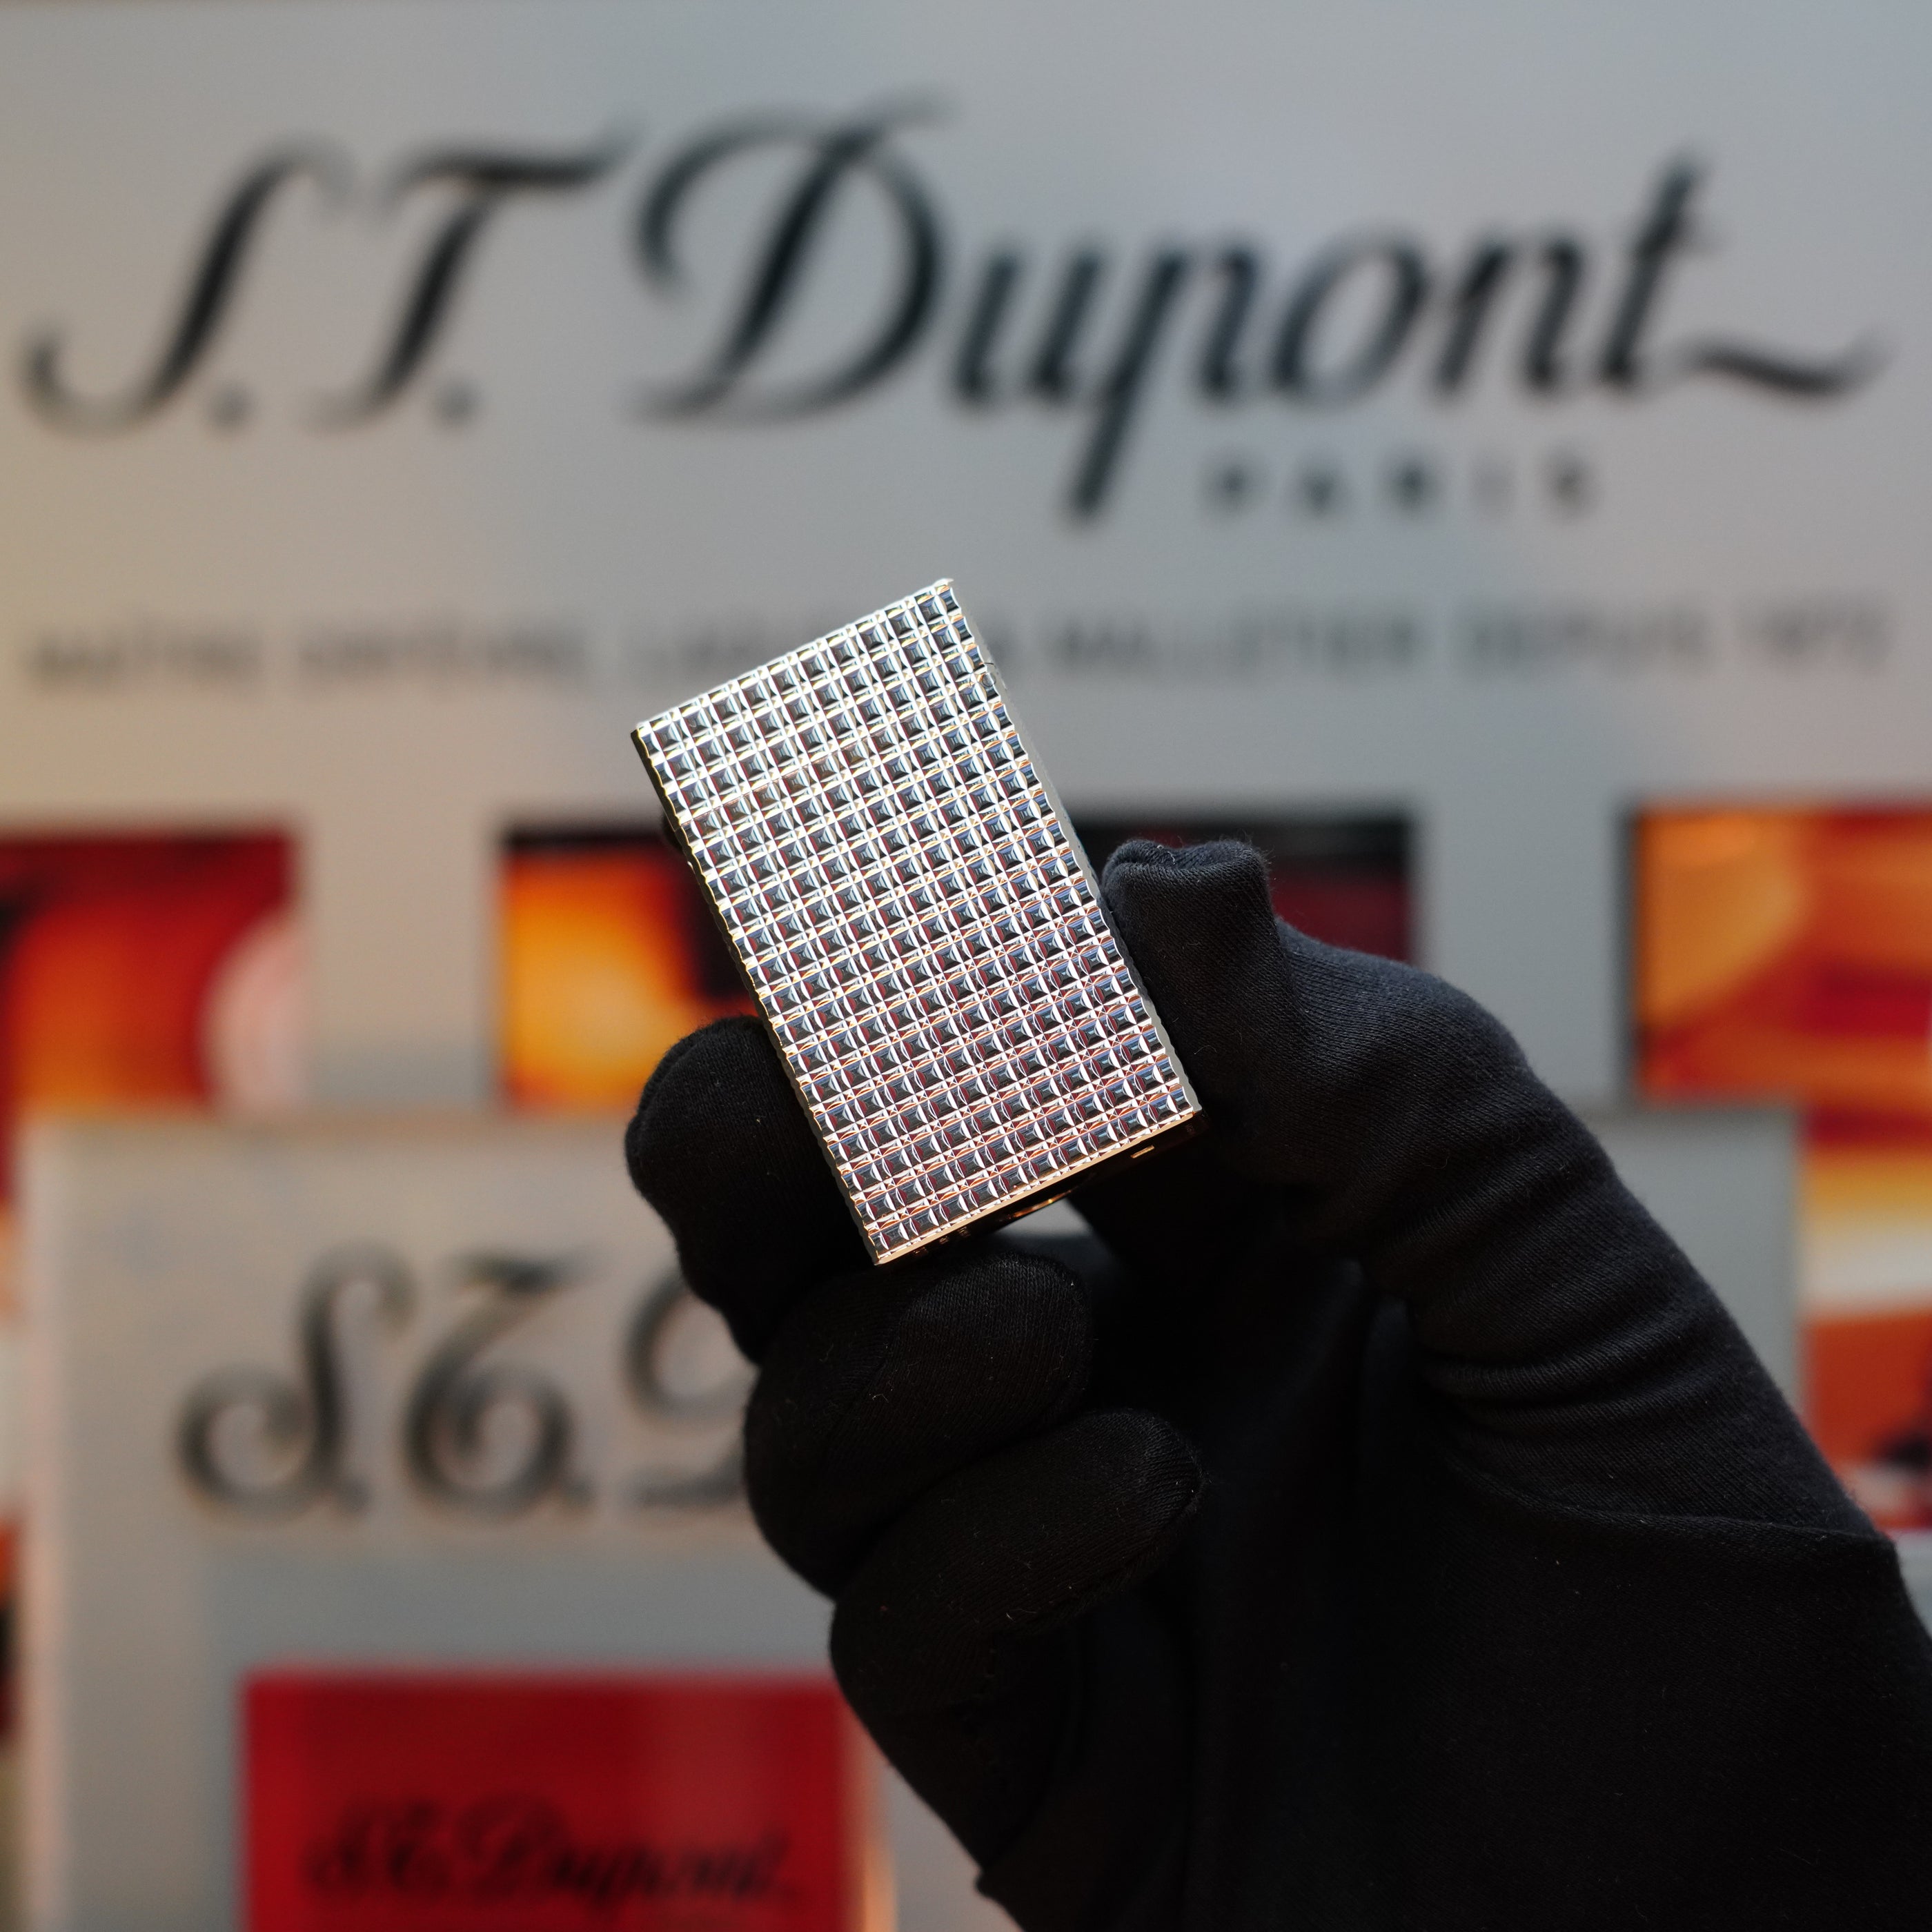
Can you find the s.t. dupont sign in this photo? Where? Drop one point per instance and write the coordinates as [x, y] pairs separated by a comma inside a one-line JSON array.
[[422, 1395], [1031, 320], [1499, 414]]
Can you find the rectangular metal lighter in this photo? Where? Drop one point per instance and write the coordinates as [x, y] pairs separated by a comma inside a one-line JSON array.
[[923, 933]]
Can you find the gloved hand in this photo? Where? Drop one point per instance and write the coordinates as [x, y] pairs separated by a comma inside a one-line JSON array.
[[1379, 1524]]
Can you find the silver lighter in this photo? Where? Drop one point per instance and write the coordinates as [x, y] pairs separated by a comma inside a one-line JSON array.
[[923, 934]]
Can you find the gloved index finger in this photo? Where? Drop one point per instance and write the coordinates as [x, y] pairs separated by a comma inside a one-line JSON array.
[[721, 1147]]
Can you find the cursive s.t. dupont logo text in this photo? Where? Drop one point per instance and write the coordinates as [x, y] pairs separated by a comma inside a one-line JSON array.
[[478, 1432], [1084, 329], [519, 1854]]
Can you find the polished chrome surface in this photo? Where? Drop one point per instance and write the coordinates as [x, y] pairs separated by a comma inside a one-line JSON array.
[[920, 926]]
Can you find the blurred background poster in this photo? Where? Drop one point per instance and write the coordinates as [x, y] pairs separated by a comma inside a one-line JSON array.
[[610, 952], [137, 970], [1477, 454], [704, 1799], [1787, 951]]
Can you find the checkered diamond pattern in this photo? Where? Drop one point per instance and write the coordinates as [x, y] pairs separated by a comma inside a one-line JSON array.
[[921, 930]]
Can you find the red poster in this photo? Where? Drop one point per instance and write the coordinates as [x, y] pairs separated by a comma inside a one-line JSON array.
[[1786, 951], [458, 1802]]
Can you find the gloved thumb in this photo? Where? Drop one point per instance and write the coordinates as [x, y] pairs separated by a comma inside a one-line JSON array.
[[1200, 928]]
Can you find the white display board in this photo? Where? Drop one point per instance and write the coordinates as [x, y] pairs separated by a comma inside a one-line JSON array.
[[420, 1396], [1507, 413]]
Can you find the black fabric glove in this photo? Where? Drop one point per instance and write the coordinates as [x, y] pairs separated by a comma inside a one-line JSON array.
[[1380, 1524]]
